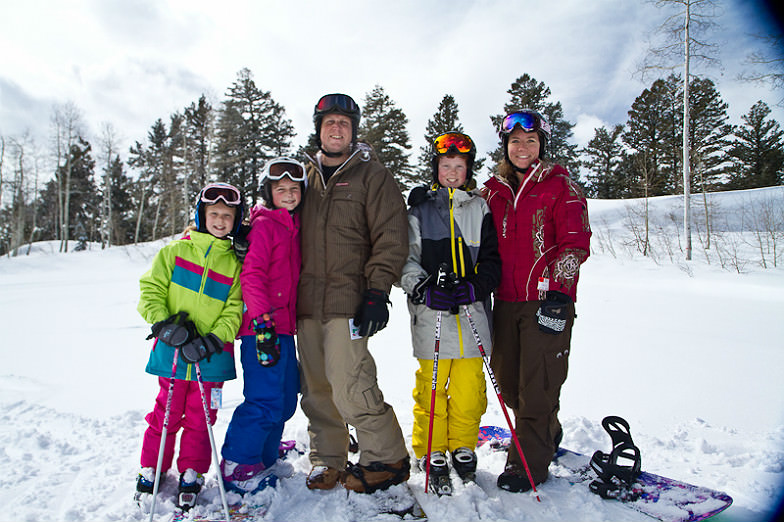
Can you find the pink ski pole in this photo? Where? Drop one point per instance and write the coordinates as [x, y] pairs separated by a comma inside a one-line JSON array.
[[163, 432]]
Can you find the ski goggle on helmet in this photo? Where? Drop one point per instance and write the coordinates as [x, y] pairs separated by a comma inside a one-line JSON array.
[[528, 120], [280, 168], [453, 143], [341, 103], [215, 192]]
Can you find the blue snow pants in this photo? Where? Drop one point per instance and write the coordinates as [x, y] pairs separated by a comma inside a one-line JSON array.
[[270, 399]]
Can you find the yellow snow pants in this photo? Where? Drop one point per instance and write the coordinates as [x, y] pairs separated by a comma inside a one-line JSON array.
[[459, 405]]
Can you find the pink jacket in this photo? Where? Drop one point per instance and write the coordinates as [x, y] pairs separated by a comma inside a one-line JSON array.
[[270, 273], [543, 232]]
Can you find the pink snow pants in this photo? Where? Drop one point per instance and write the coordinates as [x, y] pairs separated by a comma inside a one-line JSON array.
[[187, 412]]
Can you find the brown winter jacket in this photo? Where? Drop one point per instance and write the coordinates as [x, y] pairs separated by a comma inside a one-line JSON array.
[[354, 235]]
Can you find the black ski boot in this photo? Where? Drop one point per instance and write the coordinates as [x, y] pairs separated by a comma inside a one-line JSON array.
[[439, 481], [190, 485], [464, 462]]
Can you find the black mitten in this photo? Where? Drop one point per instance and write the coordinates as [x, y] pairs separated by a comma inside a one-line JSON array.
[[201, 348], [241, 243], [373, 314], [174, 330], [552, 314]]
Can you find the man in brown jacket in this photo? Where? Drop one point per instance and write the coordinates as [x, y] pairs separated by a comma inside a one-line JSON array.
[[354, 246]]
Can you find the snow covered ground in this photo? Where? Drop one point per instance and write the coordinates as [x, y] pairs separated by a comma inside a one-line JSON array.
[[692, 355]]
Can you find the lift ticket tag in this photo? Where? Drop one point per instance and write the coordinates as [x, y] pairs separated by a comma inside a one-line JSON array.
[[216, 398], [543, 285]]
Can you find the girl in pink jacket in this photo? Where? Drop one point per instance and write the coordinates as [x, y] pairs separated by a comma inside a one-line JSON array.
[[269, 280]]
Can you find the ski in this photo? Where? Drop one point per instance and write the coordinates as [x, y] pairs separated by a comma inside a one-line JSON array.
[[441, 485], [398, 500]]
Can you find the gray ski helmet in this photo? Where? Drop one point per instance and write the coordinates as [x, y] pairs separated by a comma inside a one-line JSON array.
[[529, 120], [277, 169], [453, 142], [340, 104], [213, 193]]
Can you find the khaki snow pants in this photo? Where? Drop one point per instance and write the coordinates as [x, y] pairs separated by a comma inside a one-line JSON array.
[[339, 386], [530, 367]]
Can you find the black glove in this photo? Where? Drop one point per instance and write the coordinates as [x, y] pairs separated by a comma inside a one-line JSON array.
[[417, 196], [418, 294], [267, 342], [373, 314], [241, 243], [439, 298], [175, 330], [464, 293], [552, 314], [201, 348]]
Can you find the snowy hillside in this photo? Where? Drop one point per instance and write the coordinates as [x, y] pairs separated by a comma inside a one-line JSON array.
[[689, 353]]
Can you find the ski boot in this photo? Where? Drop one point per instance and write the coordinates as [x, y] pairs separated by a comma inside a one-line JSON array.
[[464, 462], [617, 480], [190, 485], [439, 481], [144, 484]]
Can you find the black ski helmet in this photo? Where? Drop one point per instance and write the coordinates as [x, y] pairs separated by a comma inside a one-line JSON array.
[[278, 168], [340, 104], [211, 194], [453, 142], [529, 120]]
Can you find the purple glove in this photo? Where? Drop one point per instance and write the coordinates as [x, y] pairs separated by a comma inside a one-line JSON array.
[[463, 293], [439, 298]]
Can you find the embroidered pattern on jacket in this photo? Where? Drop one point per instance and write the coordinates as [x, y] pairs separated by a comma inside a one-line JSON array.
[[566, 268]]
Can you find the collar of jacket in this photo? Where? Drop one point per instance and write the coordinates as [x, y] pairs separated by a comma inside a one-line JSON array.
[[535, 173], [281, 215], [459, 196], [206, 242], [362, 151]]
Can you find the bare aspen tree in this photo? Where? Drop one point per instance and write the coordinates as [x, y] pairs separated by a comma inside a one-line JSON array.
[[109, 147], [67, 122], [681, 32], [2, 156], [21, 148]]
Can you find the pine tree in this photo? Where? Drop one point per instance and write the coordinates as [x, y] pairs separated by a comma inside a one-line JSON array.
[[444, 120], [758, 151], [252, 128], [528, 93], [650, 132], [383, 127], [709, 135], [199, 136], [604, 155]]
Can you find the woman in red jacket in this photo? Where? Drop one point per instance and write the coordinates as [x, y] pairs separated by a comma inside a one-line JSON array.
[[541, 218]]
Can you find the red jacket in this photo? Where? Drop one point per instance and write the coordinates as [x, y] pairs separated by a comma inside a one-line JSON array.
[[270, 272], [543, 232]]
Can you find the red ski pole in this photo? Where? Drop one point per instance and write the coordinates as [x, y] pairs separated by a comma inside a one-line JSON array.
[[500, 399], [433, 399]]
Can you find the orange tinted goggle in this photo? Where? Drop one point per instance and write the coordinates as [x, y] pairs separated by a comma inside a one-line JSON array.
[[460, 142]]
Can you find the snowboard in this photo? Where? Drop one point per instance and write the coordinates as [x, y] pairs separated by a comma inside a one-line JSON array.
[[663, 498]]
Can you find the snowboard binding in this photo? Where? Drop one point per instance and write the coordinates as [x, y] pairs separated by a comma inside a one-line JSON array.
[[617, 480]]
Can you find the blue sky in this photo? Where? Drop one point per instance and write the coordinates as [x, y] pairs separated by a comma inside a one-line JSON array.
[[131, 62]]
